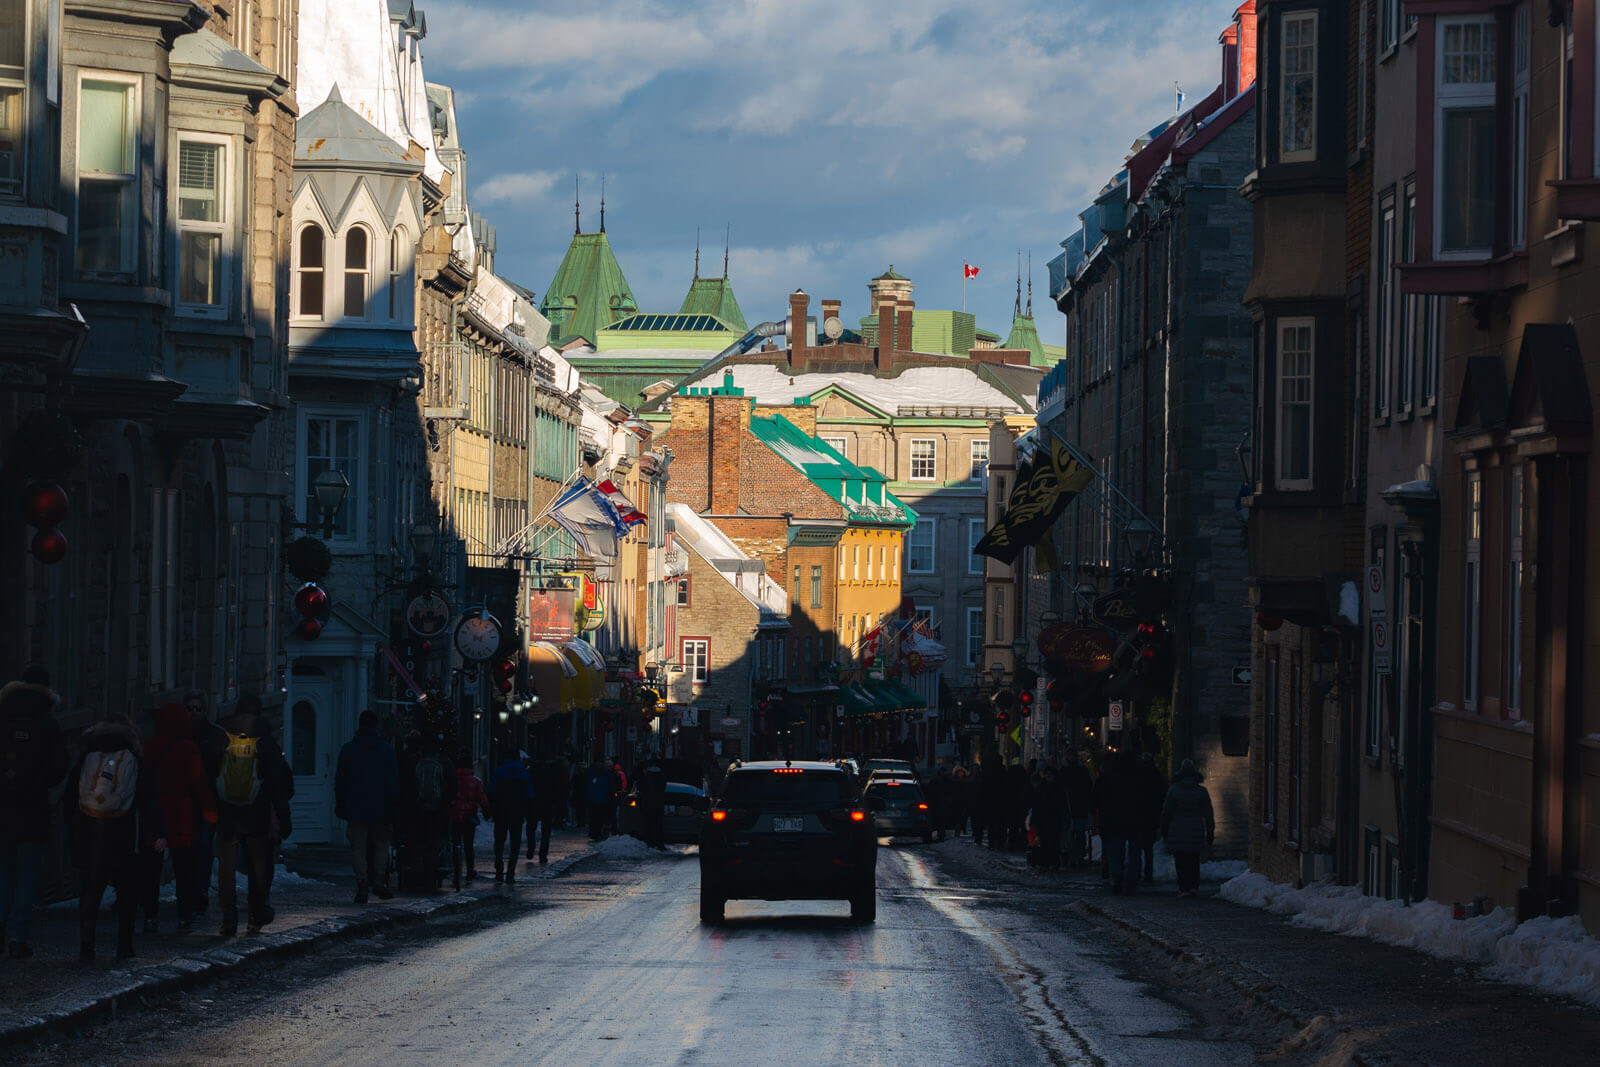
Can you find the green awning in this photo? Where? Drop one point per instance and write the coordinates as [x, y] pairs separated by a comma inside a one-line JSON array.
[[857, 702], [906, 698]]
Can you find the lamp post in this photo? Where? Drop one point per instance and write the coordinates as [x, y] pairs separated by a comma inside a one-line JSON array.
[[1141, 535], [329, 490], [424, 539]]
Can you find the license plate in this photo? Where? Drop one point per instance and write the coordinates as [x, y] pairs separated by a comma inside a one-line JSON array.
[[788, 826], [683, 809]]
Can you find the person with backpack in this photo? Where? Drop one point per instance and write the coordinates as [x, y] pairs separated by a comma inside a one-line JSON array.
[[510, 796], [188, 806], [427, 786], [211, 740], [366, 793], [550, 787], [112, 814], [33, 758], [252, 815], [470, 799]]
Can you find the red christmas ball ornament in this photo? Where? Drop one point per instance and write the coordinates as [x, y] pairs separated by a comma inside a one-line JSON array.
[[44, 504], [310, 629], [49, 546], [1267, 622], [311, 600]]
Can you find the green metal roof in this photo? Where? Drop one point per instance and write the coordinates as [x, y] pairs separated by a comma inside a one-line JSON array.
[[713, 296], [588, 291], [1024, 334], [950, 333], [862, 491], [890, 275], [670, 322]]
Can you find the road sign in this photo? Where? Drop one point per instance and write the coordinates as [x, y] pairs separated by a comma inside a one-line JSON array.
[[1114, 715], [1241, 675], [1377, 603], [1380, 647]]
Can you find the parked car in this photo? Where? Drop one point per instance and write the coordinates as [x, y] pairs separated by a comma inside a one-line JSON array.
[[788, 831], [889, 775], [900, 808], [684, 804], [884, 763]]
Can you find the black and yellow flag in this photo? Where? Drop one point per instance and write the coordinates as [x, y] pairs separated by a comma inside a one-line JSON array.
[[1045, 486]]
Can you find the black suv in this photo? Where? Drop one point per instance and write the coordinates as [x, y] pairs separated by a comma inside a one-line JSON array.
[[788, 831]]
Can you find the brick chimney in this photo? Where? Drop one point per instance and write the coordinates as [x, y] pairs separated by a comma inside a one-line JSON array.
[[798, 302], [1230, 61], [1245, 18], [830, 310], [886, 331], [902, 324], [729, 420]]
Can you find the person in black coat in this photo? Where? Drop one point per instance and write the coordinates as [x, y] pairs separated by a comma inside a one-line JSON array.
[[1152, 789], [1049, 818], [1188, 824], [33, 758], [112, 813], [249, 827], [1117, 809], [1078, 786], [992, 798]]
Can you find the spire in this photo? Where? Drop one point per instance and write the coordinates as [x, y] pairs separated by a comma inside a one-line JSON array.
[[727, 235], [602, 203], [577, 210], [1016, 309], [697, 253], [1030, 283]]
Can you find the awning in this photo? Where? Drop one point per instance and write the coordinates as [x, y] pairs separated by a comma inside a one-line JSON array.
[[857, 701], [589, 667], [906, 698], [553, 678]]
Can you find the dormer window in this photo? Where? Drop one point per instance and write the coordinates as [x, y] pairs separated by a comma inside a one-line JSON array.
[[308, 275], [357, 250]]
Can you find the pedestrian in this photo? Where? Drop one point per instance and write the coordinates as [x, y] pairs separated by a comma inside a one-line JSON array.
[[1188, 825], [510, 795], [550, 789], [959, 793], [252, 815], [366, 794], [188, 801], [653, 805], [1016, 805], [470, 800], [112, 815], [212, 740], [1048, 818], [992, 799], [597, 789], [1116, 807], [619, 789], [33, 758], [1152, 791], [577, 797], [1078, 786], [427, 786]]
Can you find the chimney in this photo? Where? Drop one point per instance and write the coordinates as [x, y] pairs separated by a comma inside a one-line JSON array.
[[729, 419], [830, 310], [886, 331], [1245, 18], [798, 302], [902, 324], [1230, 62]]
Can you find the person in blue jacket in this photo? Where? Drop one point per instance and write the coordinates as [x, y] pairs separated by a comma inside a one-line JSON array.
[[366, 787], [510, 794]]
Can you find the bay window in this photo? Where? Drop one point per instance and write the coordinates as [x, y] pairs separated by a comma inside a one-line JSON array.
[[1406, 386], [356, 248], [1295, 363], [310, 252], [1383, 370], [201, 218], [108, 178], [13, 94], [1465, 133], [332, 441], [1297, 87]]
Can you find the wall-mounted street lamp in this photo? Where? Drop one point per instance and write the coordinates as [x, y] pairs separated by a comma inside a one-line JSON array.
[[329, 489], [997, 673], [424, 539], [1141, 535]]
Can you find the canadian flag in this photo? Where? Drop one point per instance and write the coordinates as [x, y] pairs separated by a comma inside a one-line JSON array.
[[969, 271]]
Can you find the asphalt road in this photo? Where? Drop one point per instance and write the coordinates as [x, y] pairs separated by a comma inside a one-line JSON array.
[[615, 966]]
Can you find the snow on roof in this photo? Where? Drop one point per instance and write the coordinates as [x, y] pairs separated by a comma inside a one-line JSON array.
[[738, 569], [913, 387]]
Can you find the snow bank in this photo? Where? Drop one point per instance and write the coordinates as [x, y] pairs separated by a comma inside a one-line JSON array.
[[621, 846], [1553, 955]]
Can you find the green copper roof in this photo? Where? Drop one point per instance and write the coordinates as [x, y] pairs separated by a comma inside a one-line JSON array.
[[588, 291], [713, 296], [890, 275], [863, 491], [1024, 334]]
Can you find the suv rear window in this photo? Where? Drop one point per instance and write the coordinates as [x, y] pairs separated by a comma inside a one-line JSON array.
[[769, 789]]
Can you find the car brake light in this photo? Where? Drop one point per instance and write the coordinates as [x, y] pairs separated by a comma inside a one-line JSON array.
[[788, 770], [858, 816], [922, 807], [718, 816]]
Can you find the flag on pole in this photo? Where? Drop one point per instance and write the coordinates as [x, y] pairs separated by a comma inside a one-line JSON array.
[[969, 271], [630, 515], [589, 518], [1045, 485]]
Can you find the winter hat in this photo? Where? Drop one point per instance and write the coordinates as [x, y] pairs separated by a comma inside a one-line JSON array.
[[1186, 770], [24, 699]]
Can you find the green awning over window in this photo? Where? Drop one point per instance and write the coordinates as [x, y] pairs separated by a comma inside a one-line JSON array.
[[904, 697]]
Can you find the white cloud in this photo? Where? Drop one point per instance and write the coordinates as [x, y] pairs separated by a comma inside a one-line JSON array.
[[529, 185]]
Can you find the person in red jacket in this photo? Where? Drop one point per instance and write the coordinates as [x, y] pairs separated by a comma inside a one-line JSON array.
[[188, 804], [470, 799]]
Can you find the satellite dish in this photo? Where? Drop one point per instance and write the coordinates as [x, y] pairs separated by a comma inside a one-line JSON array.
[[833, 328]]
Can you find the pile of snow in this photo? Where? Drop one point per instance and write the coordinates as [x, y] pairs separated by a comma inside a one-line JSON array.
[[621, 846], [1210, 870], [1553, 955]]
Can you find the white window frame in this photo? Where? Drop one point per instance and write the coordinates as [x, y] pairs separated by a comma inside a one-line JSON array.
[[1388, 26], [932, 459], [932, 526], [978, 449], [1309, 152], [358, 497], [129, 262], [838, 444], [13, 186], [1472, 593], [296, 312], [975, 562], [974, 631], [1451, 97], [1309, 324], [365, 273], [1521, 46], [1405, 393], [399, 273], [223, 228], [698, 668], [1383, 366]]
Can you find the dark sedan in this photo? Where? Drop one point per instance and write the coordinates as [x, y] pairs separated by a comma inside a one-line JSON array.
[[905, 810]]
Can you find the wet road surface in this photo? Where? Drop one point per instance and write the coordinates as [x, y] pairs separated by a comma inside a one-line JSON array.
[[615, 965]]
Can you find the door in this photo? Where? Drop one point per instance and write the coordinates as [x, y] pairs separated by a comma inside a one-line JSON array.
[[311, 747]]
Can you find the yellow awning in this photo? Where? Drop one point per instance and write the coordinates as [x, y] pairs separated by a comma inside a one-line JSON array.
[[590, 668], [554, 680]]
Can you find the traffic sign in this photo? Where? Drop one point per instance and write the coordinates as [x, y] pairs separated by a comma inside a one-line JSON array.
[[1380, 647], [1114, 715], [1377, 604], [1241, 675]]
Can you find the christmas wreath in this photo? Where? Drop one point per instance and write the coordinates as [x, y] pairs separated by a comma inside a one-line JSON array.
[[308, 559]]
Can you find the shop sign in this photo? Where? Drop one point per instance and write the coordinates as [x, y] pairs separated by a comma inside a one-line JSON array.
[[550, 614]]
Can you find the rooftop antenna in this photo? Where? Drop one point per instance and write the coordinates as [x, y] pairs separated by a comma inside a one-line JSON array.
[[697, 253], [577, 211], [1016, 309], [602, 203], [727, 235], [1030, 283]]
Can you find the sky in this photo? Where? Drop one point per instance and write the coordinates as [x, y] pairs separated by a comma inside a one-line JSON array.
[[832, 138]]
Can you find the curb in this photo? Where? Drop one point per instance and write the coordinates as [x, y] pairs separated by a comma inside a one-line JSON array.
[[196, 968]]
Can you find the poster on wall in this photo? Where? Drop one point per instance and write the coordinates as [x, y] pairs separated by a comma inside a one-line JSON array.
[[550, 614]]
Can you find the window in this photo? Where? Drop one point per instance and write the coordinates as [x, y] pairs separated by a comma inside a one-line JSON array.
[[1269, 756], [696, 659], [1428, 329], [1295, 361], [975, 562], [855, 563], [838, 444], [795, 600], [1378, 681], [1372, 866], [1465, 130], [330, 442], [1472, 592], [974, 636], [683, 592], [108, 180], [1297, 88], [13, 94], [924, 453], [1406, 386], [1514, 595], [1388, 25], [816, 587], [1296, 741], [397, 276], [1519, 127], [309, 274], [202, 215], [919, 548], [355, 273], [980, 459], [1383, 368]]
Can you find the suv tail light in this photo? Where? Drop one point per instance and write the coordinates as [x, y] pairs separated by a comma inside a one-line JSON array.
[[858, 816], [922, 807], [718, 815]]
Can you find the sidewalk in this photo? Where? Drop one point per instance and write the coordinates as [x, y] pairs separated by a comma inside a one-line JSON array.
[[312, 893]]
